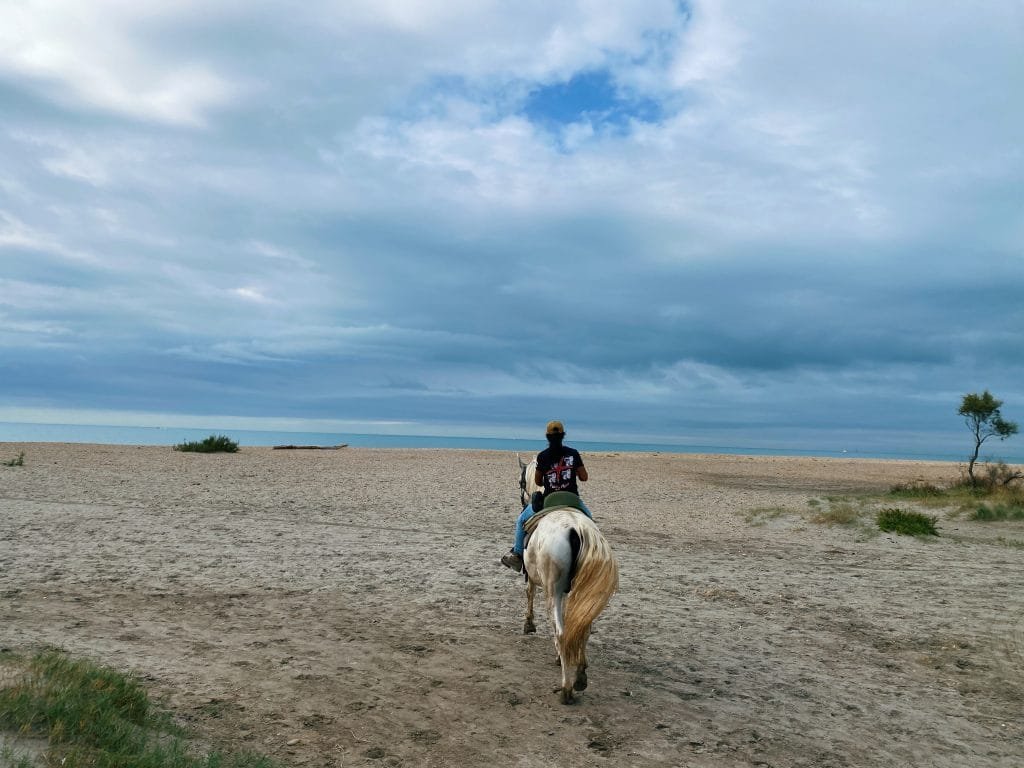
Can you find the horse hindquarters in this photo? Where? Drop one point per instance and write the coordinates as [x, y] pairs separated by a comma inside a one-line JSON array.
[[550, 559]]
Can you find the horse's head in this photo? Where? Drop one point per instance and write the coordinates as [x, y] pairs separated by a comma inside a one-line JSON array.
[[522, 480]]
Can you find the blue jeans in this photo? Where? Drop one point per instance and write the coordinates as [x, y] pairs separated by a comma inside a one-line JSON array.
[[525, 515]]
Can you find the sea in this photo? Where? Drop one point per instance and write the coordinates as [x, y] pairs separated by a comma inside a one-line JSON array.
[[123, 435]]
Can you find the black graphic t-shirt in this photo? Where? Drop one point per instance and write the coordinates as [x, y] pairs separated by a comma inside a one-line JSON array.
[[559, 467]]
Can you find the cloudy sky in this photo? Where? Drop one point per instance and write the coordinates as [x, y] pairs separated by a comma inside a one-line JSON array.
[[705, 220]]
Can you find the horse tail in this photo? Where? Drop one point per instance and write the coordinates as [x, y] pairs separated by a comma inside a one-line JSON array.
[[594, 582]]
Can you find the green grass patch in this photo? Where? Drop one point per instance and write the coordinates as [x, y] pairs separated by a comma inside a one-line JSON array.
[[918, 490], [985, 501], [998, 511], [907, 523], [18, 462], [212, 444], [11, 758], [838, 513], [95, 717]]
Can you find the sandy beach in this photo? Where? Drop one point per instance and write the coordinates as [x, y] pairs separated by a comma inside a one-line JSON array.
[[346, 607]]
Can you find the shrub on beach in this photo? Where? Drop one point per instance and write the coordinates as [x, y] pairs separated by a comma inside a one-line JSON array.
[[996, 494], [18, 462], [908, 523], [89, 715], [917, 490], [995, 477], [838, 513], [212, 444], [1007, 510], [999, 474]]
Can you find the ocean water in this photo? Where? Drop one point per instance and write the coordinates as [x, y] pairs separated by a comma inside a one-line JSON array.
[[116, 435]]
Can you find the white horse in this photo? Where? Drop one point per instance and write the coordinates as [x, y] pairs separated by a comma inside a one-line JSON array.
[[571, 561]]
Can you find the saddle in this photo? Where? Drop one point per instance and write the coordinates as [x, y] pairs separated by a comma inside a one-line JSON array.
[[553, 501], [562, 499]]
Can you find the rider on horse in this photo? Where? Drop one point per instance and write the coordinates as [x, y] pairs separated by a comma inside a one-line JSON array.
[[558, 469]]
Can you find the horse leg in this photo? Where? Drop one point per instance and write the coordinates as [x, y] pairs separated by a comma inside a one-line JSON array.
[[557, 605], [568, 683], [529, 626], [581, 677], [581, 670]]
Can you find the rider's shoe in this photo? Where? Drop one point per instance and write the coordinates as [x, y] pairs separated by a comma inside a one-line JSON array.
[[513, 561]]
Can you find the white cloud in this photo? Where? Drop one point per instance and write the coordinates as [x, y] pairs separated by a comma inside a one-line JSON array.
[[16, 234], [249, 293], [710, 51], [32, 333], [277, 253], [478, 40], [95, 54]]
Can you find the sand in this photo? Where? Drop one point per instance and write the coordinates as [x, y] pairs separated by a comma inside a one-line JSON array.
[[344, 608]]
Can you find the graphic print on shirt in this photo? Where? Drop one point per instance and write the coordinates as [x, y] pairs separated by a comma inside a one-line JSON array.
[[559, 477]]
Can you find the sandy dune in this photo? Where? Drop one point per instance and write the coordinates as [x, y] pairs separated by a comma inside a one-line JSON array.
[[344, 608]]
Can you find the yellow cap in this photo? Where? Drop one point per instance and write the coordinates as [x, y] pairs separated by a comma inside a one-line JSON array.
[[555, 428]]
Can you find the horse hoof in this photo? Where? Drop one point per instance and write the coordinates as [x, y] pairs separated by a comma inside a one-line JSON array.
[[567, 697], [529, 628], [581, 682]]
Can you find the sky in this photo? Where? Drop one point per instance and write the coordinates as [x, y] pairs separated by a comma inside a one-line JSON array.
[[768, 223]]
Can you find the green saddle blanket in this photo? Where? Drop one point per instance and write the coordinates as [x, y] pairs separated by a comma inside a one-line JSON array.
[[553, 501], [563, 499]]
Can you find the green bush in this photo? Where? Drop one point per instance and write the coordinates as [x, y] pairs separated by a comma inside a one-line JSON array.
[[998, 511], [212, 444], [908, 523], [18, 462]]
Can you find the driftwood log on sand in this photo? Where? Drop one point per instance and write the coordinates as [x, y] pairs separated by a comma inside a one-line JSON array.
[[309, 447]]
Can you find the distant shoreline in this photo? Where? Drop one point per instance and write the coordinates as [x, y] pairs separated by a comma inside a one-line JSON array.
[[15, 446], [754, 444]]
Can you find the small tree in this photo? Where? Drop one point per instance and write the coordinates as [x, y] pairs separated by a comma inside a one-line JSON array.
[[981, 413]]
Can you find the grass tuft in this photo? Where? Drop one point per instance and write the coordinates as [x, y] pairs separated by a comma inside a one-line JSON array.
[[1009, 510], [93, 716], [917, 490], [907, 523], [10, 758], [18, 462], [838, 513], [211, 444]]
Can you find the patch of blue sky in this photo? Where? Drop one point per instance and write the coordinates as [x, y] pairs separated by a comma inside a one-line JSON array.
[[590, 98]]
